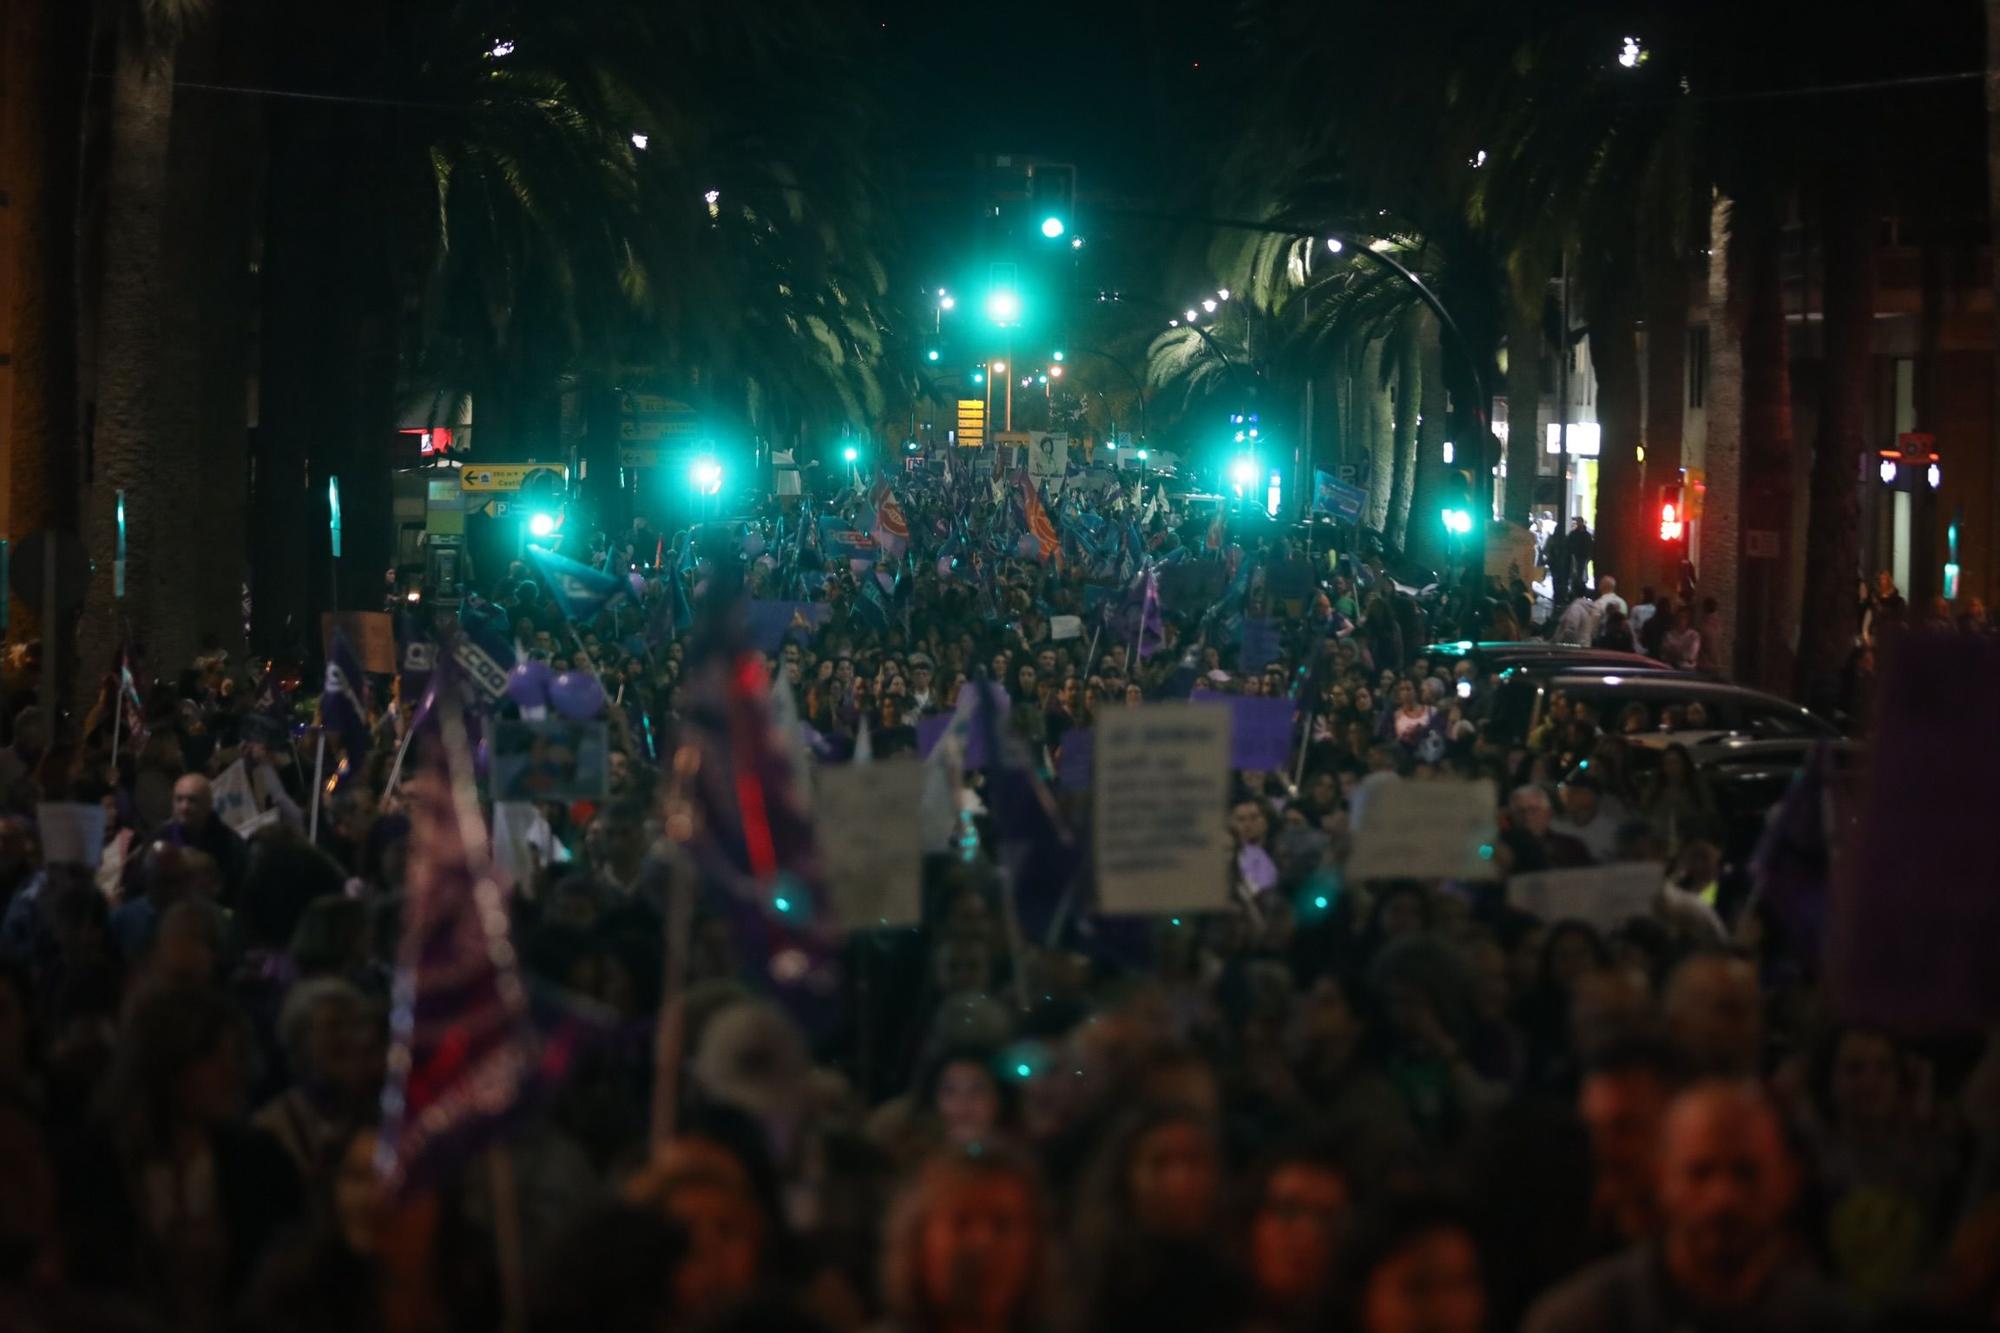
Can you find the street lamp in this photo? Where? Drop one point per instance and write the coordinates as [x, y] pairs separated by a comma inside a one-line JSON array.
[[999, 367]]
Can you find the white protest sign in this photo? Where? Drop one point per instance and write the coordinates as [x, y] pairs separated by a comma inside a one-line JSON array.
[[72, 833], [1424, 830], [1065, 627], [235, 799], [254, 825], [1605, 896], [869, 844], [1160, 808], [523, 843]]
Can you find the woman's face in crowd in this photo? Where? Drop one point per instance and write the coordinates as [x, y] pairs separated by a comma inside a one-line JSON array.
[[1247, 822], [1402, 915], [1295, 1231], [1337, 698], [1364, 700], [967, 1102], [1026, 679], [1431, 1285], [999, 666], [1175, 1179], [209, 1091], [978, 1246], [1134, 696], [1406, 694], [725, 1237], [1867, 1078], [1570, 956]]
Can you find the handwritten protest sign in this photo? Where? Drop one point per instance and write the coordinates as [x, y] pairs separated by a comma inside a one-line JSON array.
[[869, 845], [235, 800], [1065, 627], [72, 833], [1424, 830], [1605, 896], [372, 635], [1160, 804]]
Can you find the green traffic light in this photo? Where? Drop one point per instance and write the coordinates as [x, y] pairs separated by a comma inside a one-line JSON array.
[[931, 355], [541, 525], [979, 377], [1003, 306], [1142, 455], [1053, 226], [849, 453]]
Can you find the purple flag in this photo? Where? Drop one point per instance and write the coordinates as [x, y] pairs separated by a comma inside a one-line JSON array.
[[1261, 645], [343, 704], [1152, 630], [462, 1046], [1914, 925]]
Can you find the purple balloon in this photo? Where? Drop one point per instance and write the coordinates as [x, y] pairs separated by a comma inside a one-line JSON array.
[[528, 684], [576, 695]]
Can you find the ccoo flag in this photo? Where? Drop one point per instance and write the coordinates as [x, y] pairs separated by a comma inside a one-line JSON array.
[[580, 591], [343, 702]]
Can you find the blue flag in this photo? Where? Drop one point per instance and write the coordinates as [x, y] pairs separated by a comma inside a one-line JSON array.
[[580, 591]]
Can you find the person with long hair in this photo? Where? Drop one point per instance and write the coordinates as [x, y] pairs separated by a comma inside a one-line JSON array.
[[966, 1247]]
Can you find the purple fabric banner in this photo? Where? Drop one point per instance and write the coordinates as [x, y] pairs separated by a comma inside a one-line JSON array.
[[1074, 763], [1915, 919], [1261, 645], [1262, 735], [770, 620]]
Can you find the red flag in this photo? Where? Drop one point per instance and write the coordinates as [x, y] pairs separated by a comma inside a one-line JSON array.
[[892, 529], [1039, 527]]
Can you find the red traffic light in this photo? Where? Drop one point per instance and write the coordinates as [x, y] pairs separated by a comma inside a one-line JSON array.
[[1673, 521]]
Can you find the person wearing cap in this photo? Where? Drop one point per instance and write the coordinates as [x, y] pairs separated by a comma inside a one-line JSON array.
[[1589, 815], [924, 698]]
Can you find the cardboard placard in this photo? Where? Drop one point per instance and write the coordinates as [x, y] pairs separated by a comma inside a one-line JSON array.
[[1604, 896], [72, 832], [1424, 830], [1160, 808], [1065, 627], [371, 634], [870, 845]]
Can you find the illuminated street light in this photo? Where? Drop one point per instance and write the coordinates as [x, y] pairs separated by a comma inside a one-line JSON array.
[[639, 141], [1333, 244], [1243, 472], [1222, 294], [1055, 372], [947, 303], [1052, 227], [1190, 315], [1076, 242], [1887, 471], [501, 50], [1934, 475], [1632, 53], [999, 367]]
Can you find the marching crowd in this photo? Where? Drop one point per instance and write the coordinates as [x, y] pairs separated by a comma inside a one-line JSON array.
[[1395, 1105]]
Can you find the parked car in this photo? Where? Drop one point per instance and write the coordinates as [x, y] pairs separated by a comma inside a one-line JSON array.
[[1520, 699], [1492, 657]]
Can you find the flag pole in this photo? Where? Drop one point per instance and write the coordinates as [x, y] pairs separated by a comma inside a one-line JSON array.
[[117, 715], [396, 769], [319, 775]]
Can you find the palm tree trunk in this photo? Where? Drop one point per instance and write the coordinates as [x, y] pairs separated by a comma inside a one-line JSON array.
[[1666, 399], [1378, 435], [142, 97], [1720, 531], [1426, 540], [1993, 215], [1768, 616], [1614, 354], [1833, 533], [1409, 399], [1525, 353]]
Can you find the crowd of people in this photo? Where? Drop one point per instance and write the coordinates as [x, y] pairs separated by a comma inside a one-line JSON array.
[[1397, 1105]]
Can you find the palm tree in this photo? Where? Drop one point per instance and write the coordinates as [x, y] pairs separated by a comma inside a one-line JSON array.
[[126, 462]]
